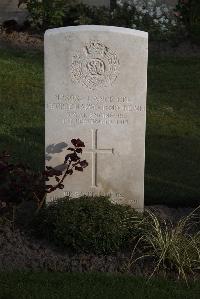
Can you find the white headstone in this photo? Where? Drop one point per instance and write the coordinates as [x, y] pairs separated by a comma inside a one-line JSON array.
[[96, 82]]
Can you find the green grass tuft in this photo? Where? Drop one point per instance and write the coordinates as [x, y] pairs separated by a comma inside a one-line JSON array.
[[22, 106]]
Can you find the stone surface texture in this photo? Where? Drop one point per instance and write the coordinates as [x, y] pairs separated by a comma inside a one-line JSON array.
[[9, 10], [95, 87]]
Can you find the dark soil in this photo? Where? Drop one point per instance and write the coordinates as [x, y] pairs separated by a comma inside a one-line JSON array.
[[19, 250], [27, 40], [171, 214], [21, 40]]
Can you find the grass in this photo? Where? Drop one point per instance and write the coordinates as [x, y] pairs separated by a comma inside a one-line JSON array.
[[22, 106], [29, 285], [173, 132], [172, 171]]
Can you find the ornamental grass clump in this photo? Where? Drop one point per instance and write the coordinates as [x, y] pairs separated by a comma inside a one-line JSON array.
[[173, 249]]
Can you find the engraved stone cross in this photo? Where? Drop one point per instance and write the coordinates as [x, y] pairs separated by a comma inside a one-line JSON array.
[[95, 151]]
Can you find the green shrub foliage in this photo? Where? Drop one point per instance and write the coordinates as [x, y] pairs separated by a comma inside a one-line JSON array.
[[149, 16], [46, 13], [87, 224]]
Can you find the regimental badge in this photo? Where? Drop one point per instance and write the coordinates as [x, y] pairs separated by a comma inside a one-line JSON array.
[[95, 66]]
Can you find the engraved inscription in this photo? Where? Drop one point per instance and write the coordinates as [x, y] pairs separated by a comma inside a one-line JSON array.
[[75, 194], [94, 151], [95, 110], [92, 194], [95, 66]]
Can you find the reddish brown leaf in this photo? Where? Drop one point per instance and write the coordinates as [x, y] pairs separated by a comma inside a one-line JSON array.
[[78, 168], [79, 150], [83, 163], [57, 179], [71, 149], [77, 143], [70, 172]]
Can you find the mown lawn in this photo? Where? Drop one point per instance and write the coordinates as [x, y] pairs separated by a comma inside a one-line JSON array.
[[87, 286], [22, 106], [172, 173], [173, 131]]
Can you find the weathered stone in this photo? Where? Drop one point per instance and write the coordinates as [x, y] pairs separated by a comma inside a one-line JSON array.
[[9, 10], [96, 80]]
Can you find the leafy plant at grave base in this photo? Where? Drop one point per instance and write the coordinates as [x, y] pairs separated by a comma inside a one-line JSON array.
[[174, 249], [87, 224], [18, 183], [188, 14]]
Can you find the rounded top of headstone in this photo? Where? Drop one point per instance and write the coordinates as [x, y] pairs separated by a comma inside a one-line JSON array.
[[97, 28]]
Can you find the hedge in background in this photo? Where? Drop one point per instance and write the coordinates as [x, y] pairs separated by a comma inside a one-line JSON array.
[[46, 13], [149, 16]]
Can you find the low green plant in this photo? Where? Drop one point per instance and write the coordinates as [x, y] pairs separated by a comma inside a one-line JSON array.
[[87, 224]]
